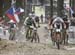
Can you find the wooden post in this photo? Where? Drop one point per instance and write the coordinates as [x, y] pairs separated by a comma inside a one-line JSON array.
[[1, 8]]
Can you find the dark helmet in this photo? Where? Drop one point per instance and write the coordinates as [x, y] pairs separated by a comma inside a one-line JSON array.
[[65, 17]]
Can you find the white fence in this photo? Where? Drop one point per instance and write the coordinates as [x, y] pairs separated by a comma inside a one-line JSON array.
[[71, 33], [4, 34]]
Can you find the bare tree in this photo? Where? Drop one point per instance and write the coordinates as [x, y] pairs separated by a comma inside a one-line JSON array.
[[73, 5], [4, 6], [1, 3], [19, 3], [51, 8], [70, 4], [60, 7]]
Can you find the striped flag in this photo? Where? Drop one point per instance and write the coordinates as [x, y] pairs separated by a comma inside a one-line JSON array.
[[10, 13], [71, 11], [19, 11]]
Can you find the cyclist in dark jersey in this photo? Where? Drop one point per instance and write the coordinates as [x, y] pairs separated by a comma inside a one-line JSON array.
[[28, 23]]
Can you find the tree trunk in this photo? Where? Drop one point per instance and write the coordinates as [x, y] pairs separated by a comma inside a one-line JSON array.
[[6, 6], [1, 6], [19, 3], [51, 8], [73, 5], [60, 7], [70, 4]]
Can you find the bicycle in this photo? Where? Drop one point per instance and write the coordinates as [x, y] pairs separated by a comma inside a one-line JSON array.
[[57, 38], [29, 32], [35, 35]]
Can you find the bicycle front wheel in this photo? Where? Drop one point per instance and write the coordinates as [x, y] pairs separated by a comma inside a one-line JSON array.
[[58, 40]]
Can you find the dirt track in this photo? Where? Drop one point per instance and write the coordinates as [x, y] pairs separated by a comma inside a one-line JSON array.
[[26, 48], [13, 48]]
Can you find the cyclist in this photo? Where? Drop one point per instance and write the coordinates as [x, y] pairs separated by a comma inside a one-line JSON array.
[[58, 24], [35, 18], [37, 21], [66, 21], [41, 18], [12, 26], [28, 23]]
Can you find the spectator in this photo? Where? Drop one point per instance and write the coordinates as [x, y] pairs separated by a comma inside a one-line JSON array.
[[37, 20], [47, 18], [41, 18]]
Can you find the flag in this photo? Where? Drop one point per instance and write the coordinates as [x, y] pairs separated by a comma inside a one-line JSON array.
[[10, 13], [71, 11], [16, 15], [19, 10]]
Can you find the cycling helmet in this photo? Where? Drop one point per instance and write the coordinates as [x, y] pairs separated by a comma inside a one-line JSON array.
[[11, 21]]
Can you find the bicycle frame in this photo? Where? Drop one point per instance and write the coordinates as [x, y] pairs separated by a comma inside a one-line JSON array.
[[28, 34], [35, 35], [58, 36]]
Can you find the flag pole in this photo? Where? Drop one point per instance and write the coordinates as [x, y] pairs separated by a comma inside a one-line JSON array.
[[13, 2]]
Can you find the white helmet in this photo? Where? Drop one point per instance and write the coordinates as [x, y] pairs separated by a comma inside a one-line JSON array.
[[11, 21], [30, 14]]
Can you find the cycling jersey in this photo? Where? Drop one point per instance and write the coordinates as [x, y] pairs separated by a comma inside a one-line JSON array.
[[58, 19], [58, 23], [12, 25], [29, 22]]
